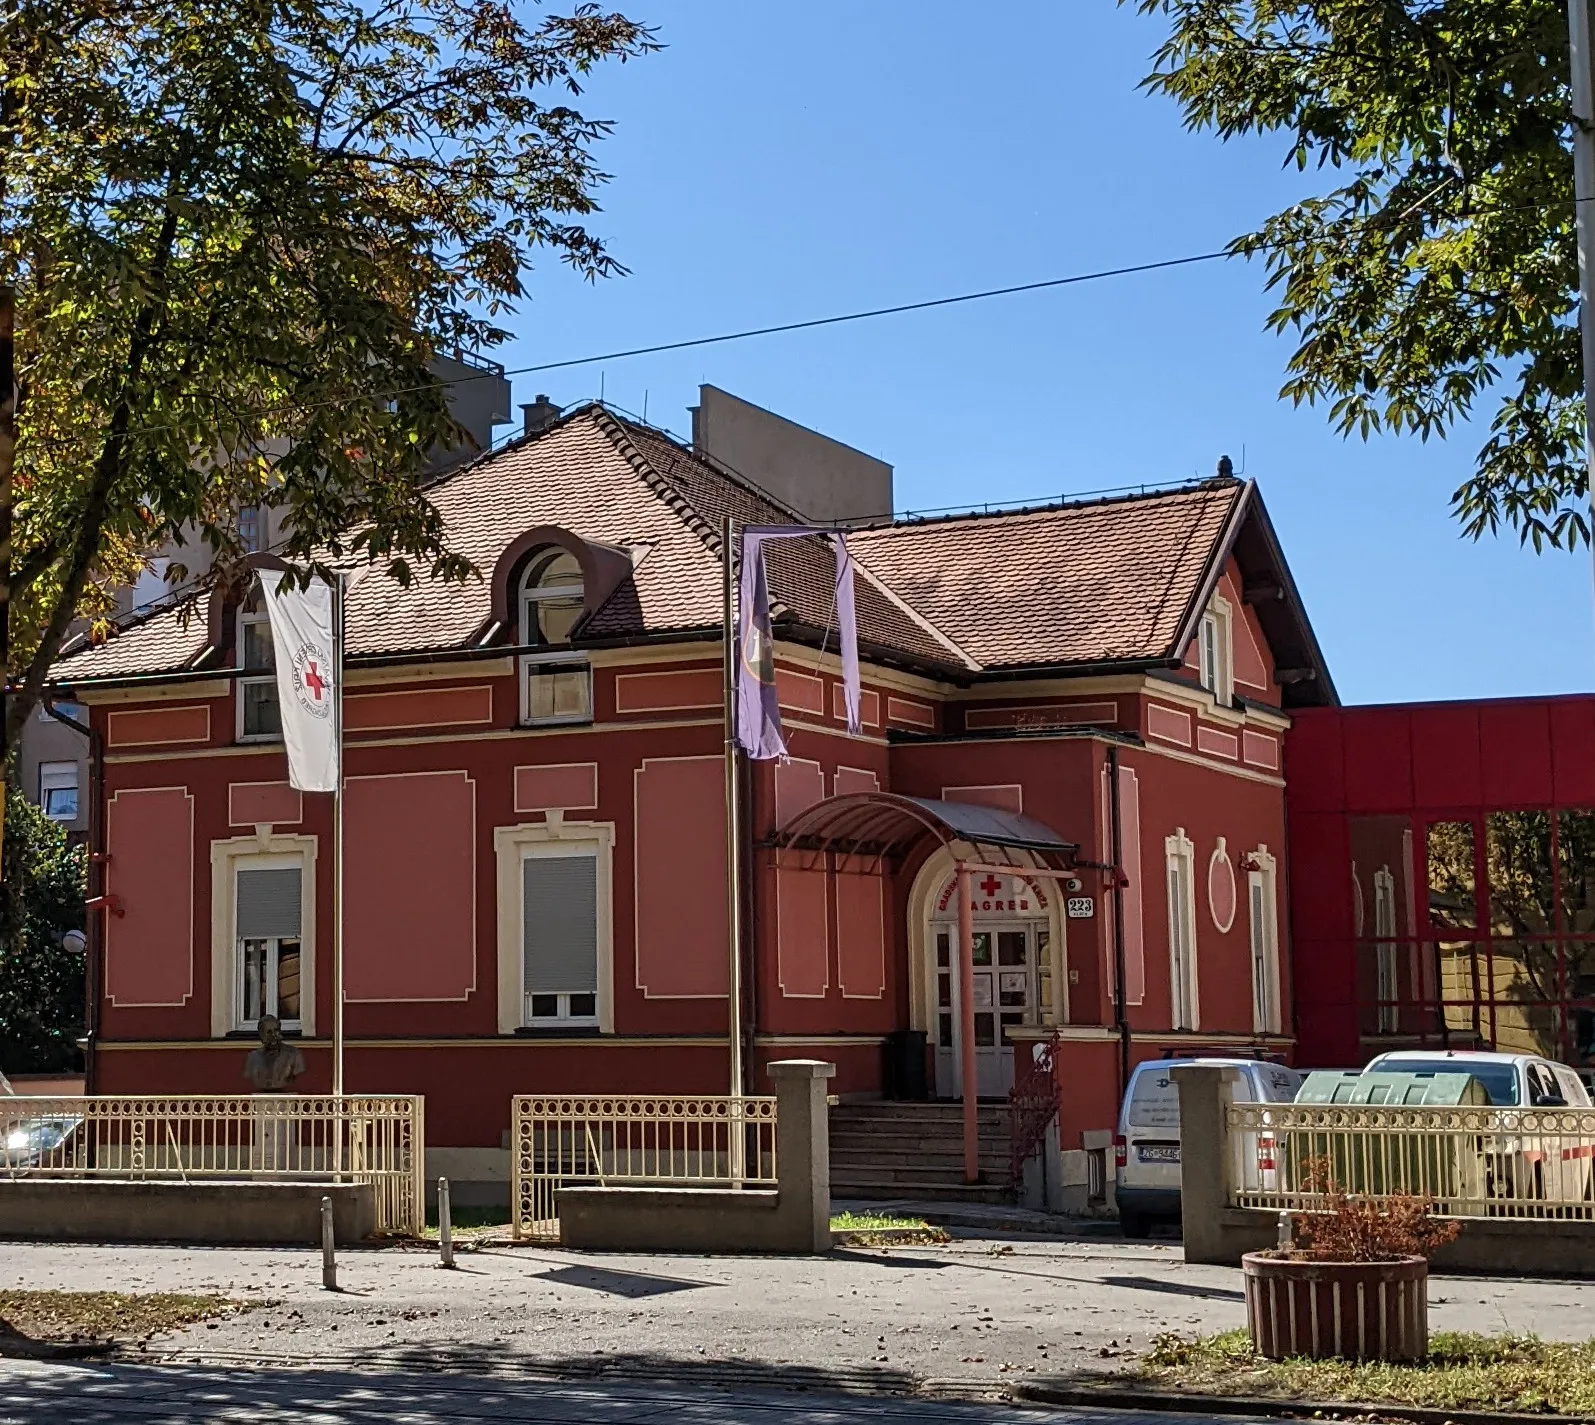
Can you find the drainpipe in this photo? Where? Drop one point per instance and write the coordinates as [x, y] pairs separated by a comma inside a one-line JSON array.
[[93, 923], [1120, 1019]]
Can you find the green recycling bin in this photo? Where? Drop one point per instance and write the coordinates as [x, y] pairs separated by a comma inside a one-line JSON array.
[[1435, 1162]]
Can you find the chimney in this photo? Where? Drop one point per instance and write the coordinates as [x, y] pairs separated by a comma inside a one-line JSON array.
[[541, 414]]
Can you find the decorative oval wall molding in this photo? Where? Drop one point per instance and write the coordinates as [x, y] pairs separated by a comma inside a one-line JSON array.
[[1221, 895]]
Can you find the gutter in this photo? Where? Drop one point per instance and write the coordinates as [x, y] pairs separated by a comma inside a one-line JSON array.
[[93, 923]]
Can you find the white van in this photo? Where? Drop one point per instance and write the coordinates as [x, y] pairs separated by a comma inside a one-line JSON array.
[[1147, 1148]]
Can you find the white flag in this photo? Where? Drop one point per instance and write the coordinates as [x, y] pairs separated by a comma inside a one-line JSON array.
[[309, 668]]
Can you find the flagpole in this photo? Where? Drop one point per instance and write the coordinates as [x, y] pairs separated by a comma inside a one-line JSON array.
[[337, 849], [733, 838]]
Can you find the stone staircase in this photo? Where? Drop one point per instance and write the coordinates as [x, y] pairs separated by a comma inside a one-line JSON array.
[[916, 1150]]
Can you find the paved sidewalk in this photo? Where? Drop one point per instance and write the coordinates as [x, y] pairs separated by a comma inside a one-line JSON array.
[[970, 1313], [184, 1395]]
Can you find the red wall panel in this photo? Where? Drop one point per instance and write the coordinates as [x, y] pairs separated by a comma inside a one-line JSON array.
[[681, 878], [1517, 753], [149, 947], [409, 886], [1446, 765], [860, 935], [1378, 750], [1315, 762], [1573, 750]]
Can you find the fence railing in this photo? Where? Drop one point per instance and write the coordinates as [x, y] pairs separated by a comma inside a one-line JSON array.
[[377, 1139], [633, 1141], [1474, 1162]]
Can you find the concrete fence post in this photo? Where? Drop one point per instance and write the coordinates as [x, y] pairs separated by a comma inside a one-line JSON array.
[[803, 1150], [1206, 1091]]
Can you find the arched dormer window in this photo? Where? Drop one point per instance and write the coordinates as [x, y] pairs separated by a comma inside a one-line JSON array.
[[556, 684]]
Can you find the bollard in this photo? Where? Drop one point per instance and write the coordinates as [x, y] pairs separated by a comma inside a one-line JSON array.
[[329, 1263], [445, 1227], [1284, 1240]]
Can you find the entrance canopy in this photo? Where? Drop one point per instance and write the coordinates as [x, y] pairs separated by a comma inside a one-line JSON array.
[[883, 827]]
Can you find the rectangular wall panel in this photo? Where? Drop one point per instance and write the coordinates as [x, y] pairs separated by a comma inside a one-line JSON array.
[[424, 707], [860, 935], [409, 887], [158, 727], [149, 947], [680, 860], [802, 950]]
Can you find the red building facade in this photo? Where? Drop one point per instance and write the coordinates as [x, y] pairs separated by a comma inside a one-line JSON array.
[[1443, 878], [535, 862]]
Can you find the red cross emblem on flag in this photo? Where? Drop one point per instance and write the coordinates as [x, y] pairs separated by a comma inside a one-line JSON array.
[[991, 885], [314, 681]]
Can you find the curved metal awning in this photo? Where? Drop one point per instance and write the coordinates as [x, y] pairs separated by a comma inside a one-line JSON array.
[[883, 826]]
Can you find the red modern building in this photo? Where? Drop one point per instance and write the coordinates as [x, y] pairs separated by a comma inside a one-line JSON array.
[[1097, 694], [1443, 878]]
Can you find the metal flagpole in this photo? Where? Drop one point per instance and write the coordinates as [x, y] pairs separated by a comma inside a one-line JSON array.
[[733, 839], [337, 852]]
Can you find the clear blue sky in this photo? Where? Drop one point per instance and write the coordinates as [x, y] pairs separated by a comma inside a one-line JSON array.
[[782, 161]]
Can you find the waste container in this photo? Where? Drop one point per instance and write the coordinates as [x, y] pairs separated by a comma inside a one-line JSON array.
[[903, 1065], [1385, 1159]]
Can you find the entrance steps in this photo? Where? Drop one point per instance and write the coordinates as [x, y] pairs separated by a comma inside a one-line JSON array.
[[888, 1149]]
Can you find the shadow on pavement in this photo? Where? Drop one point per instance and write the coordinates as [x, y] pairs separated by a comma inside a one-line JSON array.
[[460, 1383], [1211, 1293], [619, 1283]]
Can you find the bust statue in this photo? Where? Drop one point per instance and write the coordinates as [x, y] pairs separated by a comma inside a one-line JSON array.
[[274, 1065]]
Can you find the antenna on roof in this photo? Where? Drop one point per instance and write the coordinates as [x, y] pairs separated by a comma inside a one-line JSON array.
[[1242, 470], [645, 414], [600, 386]]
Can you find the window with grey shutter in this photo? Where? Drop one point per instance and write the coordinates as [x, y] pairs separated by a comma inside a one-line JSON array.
[[268, 904], [560, 924]]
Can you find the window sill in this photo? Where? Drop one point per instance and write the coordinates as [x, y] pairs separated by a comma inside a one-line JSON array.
[[254, 1034], [268, 739], [585, 720], [559, 1031]]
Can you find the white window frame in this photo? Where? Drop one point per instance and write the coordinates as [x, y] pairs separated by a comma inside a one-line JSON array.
[[243, 617], [1179, 855], [52, 778], [257, 512], [260, 852], [1387, 974], [553, 837], [1262, 890], [530, 597], [1215, 651]]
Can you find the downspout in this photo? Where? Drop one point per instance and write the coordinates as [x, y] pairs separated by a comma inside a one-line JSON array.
[[1120, 1019], [93, 923]]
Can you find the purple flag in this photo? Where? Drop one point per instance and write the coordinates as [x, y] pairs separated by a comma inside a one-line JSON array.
[[758, 706]]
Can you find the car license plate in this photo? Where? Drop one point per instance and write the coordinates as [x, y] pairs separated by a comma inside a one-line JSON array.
[[1157, 1155]]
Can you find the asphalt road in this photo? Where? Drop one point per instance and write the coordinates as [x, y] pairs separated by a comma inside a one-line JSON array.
[[197, 1395]]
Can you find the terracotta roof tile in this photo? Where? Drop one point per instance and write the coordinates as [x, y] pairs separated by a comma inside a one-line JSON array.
[[1075, 584]]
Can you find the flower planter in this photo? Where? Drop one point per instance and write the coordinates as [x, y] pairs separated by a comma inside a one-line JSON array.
[[1363, 1311]]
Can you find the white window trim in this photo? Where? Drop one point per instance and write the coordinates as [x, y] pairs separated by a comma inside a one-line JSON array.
[[1179, 857], [1221, 681], [262, 852], [1267, 1009], [511, 846], [53, 770], [240, 618], [532, 595]]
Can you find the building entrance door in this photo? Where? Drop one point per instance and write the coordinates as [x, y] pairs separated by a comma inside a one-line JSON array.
[[1007, 960]]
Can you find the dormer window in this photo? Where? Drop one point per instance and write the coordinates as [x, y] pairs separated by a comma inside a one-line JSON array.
[[1214, 659], [258, 716], [556, 684]]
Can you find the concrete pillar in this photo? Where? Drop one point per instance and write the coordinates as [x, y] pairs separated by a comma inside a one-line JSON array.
[[803, 1151], [1206, 1090]]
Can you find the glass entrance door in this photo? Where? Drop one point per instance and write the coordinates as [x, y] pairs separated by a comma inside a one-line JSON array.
[[1006, 973]]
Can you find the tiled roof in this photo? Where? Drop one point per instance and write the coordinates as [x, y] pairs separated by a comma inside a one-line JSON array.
[[1086, 583], [1080, 583]]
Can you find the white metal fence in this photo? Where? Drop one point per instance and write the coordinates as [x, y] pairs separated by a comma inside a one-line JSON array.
[[377, 1139], [1474, 1162], [633, 1141]]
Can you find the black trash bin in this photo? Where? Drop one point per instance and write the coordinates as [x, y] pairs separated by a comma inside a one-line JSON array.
[[903, 1065]]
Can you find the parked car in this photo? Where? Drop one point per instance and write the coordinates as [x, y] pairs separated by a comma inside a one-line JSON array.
[[1147, 1147], [1517, 1164], [40, 1142]]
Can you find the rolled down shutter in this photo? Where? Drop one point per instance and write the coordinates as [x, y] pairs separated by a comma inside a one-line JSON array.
[[268, 904], [560, 932]]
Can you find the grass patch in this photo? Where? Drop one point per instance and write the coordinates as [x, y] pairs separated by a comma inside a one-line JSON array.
[[874, 1229], [465, 1222], [106, 1315], [1463, 1372]]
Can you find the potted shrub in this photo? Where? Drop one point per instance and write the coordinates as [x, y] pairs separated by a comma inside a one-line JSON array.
[[1353, 1281]]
